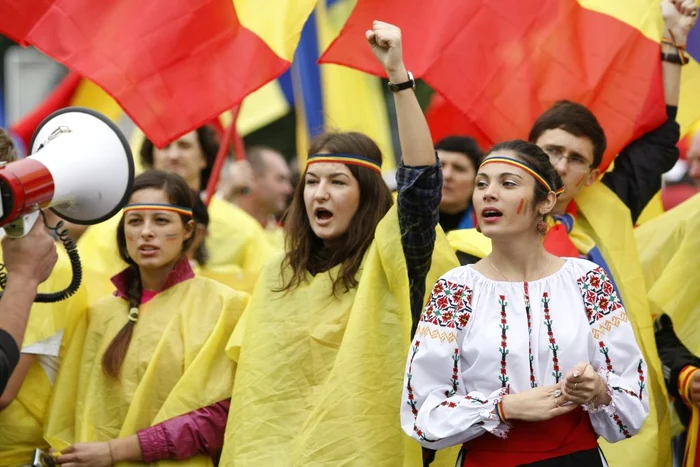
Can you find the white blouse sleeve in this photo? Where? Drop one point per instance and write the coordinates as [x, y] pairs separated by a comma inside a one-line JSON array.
[[437, 412], [617, 358]]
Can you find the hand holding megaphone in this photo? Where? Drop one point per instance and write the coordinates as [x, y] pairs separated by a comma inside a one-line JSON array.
[[30, 258]]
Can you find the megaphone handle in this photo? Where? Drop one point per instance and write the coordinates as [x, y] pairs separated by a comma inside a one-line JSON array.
[[21, 226]]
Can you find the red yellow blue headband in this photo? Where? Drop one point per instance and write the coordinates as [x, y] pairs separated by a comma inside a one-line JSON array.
[[524, 166], [157, 207], [350, 159]]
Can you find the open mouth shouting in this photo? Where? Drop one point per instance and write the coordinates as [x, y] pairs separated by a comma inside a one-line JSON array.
[[323, 216], [491, 214]]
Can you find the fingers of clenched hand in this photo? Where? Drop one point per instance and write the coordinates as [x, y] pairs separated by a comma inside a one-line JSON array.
[[686, 7]]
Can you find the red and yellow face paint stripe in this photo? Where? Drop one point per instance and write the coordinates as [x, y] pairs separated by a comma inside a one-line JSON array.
[[685, 380], [523, 166], [349, 159], [157, 207]]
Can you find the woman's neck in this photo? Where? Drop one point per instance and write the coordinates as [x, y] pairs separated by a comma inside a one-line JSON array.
[[519, 259], [154, 279]]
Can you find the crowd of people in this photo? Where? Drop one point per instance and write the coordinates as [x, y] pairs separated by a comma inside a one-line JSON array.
[[498, 309]]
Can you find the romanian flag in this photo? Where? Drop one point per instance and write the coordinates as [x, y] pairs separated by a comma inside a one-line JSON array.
[[503, 63], [331, 97], [172, 65]]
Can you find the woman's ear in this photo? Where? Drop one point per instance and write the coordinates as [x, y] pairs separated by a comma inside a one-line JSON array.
[[189, 229], [546, 206]]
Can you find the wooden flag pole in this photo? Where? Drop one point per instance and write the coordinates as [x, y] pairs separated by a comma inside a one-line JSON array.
[[229, 133]]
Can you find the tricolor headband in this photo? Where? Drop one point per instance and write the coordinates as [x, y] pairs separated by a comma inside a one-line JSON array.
[[524, 166], [350, 159], [157, 207]]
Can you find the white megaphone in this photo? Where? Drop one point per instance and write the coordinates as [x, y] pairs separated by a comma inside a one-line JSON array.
[[80, 167]]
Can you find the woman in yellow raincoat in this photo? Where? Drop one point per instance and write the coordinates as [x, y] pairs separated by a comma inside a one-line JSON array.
[[163, 332], [321, 347], [236, 241]]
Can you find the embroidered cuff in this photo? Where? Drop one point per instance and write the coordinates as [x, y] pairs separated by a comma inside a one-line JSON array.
[[609, 408], [154, 445], [491, 420]]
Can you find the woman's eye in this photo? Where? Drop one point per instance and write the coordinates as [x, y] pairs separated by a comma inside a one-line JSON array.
[[481, 184], [338, 182], [133, 221], [509, 183], [311, 182]]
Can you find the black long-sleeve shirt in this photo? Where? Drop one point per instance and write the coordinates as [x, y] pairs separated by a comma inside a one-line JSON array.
[[9, 357], [636, 176], [674, 357]]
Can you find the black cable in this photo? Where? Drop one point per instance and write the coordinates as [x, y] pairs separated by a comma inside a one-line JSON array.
[[75, 265]]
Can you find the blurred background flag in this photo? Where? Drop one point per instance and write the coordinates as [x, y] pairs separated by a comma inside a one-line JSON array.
[[172, 65], [332, 97]]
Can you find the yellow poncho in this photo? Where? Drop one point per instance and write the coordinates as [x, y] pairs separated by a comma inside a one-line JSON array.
[[668, 245], [165, 357], [236, 243], [319, 377], [21, 422], [604, 220]]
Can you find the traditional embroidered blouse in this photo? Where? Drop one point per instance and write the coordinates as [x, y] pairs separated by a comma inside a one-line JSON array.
[[479, 339]]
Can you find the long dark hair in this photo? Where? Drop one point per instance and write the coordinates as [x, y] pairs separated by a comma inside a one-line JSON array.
[[178, 194], [208, 142], [305, 251]]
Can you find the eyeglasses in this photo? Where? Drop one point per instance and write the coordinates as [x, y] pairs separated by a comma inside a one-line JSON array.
[[576, 163]]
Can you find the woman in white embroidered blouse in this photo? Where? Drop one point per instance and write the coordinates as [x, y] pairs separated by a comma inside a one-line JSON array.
[[524, 357]]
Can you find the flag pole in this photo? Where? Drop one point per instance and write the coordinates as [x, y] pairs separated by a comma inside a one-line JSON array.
[[229, 133]]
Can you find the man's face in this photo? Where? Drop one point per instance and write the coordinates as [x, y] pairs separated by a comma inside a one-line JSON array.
[[572, 157], [274, 185], [184, 157]]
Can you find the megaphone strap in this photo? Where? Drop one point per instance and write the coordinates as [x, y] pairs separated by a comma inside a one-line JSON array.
[[157, 207]]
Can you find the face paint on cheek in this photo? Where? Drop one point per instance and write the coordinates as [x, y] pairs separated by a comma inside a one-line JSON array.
[[171, 236], [522, 207]]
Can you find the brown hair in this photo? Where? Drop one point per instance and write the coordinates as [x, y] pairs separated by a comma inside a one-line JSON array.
[[8, 153], [178, 194], [208, 143], [573, 118], [305, 251]]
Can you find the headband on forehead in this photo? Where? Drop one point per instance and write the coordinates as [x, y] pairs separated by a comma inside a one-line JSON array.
[[350, 159], [524, 166], [157, 207]]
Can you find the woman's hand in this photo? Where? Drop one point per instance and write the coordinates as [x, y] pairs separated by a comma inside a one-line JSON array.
[[86, 455], [582, 384], [385, 40], [536, 405]]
